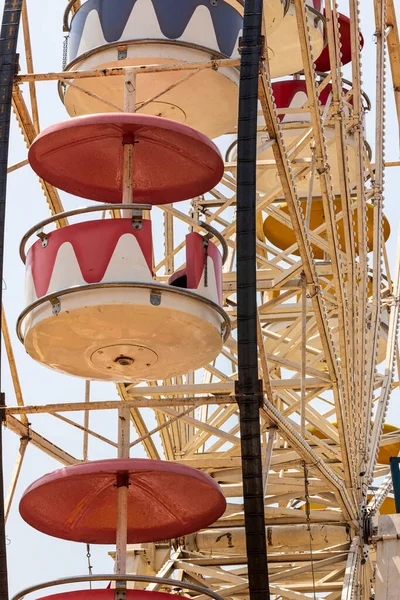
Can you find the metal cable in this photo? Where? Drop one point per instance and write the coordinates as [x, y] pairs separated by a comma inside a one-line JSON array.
[[90, 567]]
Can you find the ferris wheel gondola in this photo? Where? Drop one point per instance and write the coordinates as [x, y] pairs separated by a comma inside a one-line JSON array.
[[94, 309], [155, 32]]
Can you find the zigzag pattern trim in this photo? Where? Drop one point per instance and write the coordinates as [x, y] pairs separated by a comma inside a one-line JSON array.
[[127, 263], [197, 22]]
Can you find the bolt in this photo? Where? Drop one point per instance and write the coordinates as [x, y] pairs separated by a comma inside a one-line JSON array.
[[124, 361]]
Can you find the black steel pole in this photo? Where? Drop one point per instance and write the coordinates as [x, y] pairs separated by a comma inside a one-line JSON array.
[[248, 388], [8, 68]]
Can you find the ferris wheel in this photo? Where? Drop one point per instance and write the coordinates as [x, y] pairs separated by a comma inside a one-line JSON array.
[[198, 362]]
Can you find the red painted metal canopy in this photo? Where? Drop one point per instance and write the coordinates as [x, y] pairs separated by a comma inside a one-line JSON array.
[[165, 500], [84, 156], [285, 92], [323, 62], [108, 594]]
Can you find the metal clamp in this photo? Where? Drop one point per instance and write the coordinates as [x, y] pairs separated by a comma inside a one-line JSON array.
[[155, 297], [122, 52], [120, 593], [44, 237], [56, 304], [259, 43], [137, 219]]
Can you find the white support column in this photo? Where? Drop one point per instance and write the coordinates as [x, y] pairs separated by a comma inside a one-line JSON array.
[[86, 423], [388, 558], [129, 106], [303, 361], [130, 91], [127, 182], [122, 508]]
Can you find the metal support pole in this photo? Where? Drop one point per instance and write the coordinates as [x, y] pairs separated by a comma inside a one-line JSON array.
[[303, 361], [248, 388], [268, 455], [86, 423], [122, 509], [127, 194], [8, 68], [130, 91], [15, 476], [129, 106]]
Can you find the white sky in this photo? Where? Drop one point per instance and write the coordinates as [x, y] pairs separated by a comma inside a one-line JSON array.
[[32, 556]]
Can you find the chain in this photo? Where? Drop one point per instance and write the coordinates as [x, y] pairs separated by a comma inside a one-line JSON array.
[[205, 246], [90, 567], [65, 52]]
